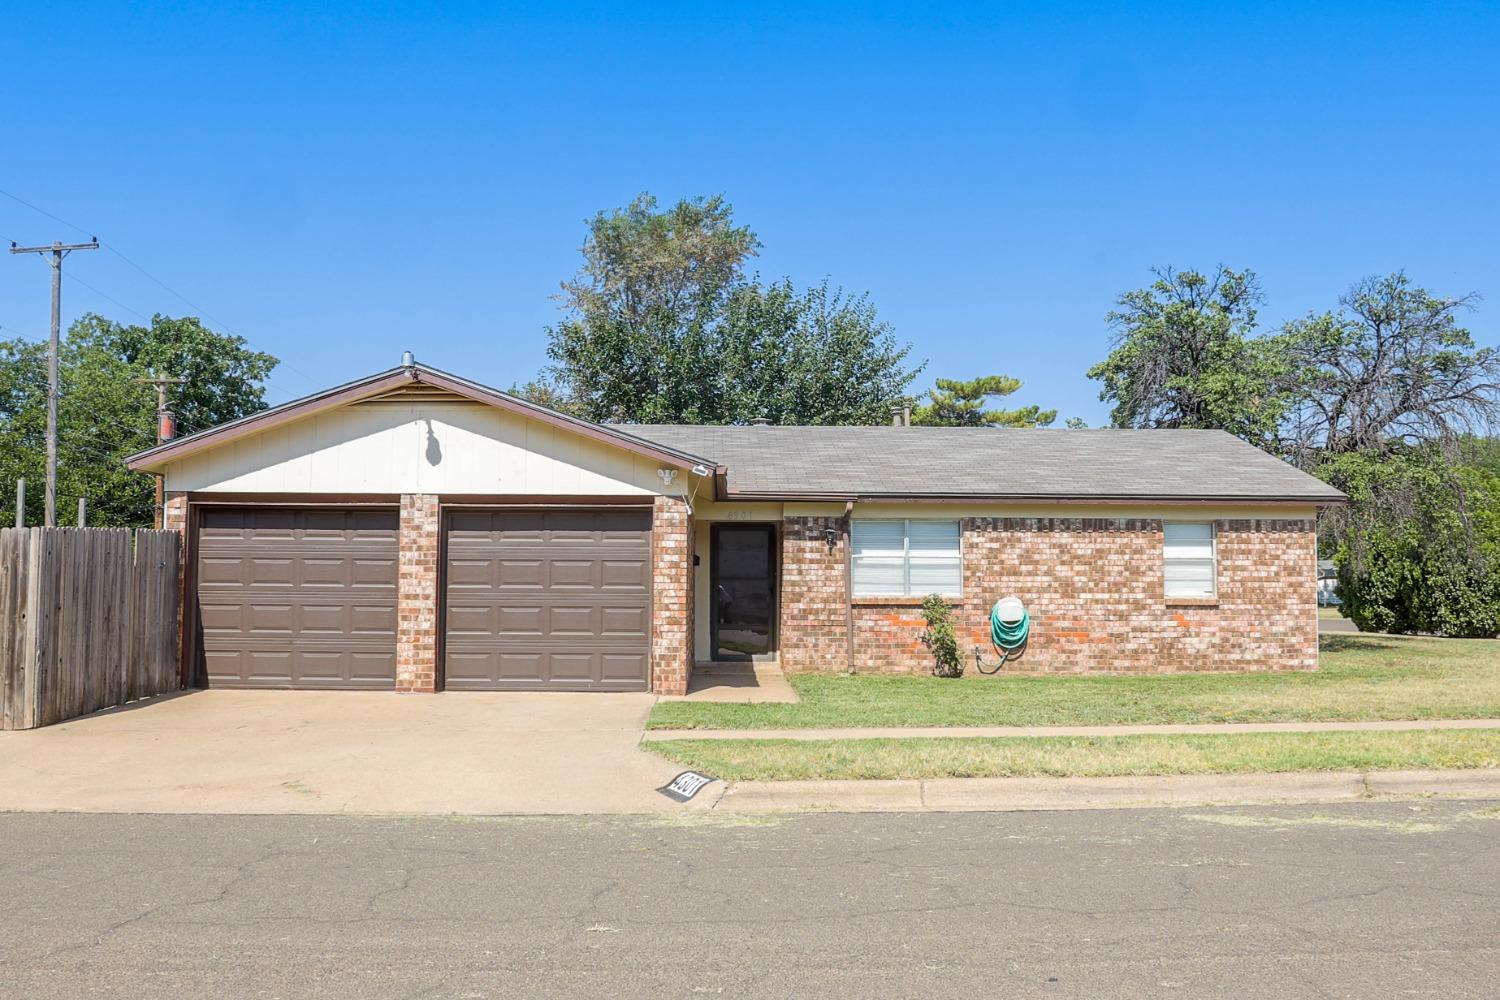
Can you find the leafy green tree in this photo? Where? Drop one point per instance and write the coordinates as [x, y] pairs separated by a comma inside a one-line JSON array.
[[813, 357], [639, 343], [1186, 354], [956, 403], [548, 393], [1418, 547], [664, 327], [105, 415]]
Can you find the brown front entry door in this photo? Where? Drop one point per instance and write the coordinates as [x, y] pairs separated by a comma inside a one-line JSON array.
[[548, 600], [297, 598], [744, 590]]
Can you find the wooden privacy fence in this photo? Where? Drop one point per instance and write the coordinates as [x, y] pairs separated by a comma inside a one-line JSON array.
[[88, 619]]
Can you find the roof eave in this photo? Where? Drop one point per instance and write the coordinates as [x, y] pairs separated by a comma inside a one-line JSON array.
[[826, 497]]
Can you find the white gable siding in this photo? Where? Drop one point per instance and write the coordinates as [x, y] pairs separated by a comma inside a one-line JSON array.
[[428, 447]]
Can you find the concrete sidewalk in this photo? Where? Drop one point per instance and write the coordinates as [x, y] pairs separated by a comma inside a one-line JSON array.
[[961, 732], [1010, 794]]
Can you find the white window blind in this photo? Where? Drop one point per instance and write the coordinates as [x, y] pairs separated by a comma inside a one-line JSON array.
[[1189, 560], [906, 558]]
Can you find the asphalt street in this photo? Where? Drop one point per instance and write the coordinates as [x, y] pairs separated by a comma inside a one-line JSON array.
[[1363, 900]]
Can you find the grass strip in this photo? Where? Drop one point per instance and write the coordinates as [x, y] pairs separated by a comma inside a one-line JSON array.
[[1085, 756], [1362, 677]]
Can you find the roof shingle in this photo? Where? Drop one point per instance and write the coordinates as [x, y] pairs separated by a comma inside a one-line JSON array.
[[865, 462]]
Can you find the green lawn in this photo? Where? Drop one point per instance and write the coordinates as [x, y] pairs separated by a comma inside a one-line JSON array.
[[785, 760], [1362, 677]]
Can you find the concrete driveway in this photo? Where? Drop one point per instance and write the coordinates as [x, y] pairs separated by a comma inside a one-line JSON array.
[[343, 752]]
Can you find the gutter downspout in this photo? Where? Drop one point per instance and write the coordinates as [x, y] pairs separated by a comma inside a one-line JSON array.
[[849, 579]]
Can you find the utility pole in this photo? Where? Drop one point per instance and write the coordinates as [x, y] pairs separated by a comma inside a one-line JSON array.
[[165, 429], [57, 251]]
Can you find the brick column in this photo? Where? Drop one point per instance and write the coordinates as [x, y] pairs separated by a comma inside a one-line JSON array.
[[671, 596], [416, 594]]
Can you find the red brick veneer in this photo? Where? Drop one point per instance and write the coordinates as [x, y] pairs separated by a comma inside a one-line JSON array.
[[671, 596], [417, 594], [1094, 590]]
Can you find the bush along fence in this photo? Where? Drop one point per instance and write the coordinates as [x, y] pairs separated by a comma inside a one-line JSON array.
[[88, 620]]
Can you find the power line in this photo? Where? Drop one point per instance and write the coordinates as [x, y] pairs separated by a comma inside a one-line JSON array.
[[199, 309]]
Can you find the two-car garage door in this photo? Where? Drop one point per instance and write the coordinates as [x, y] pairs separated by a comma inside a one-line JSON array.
[[534, 599]]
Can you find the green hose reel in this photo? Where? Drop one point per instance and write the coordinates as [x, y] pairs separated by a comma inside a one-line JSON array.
[[1010, 627]]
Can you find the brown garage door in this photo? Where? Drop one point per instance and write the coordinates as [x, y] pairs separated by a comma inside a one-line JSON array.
[[298, 598], [548, 600]]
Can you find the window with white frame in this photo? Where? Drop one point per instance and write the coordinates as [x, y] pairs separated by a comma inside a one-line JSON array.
[[1189, 562], [907, 558]]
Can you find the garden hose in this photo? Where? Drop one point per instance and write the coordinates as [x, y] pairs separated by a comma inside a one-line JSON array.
[[1006, 637]]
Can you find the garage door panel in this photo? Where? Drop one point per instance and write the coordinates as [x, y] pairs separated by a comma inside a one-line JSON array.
[[576, 666], [621, 574], [294, 598], [572, 574], [624, 622], [570, 607], [519, 621], [572, 623], [469, 573], [264, 572], [374, 574], [621, 668], [376, 621]]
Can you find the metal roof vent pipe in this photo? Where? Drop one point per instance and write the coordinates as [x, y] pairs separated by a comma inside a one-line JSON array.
[[895, 416], [760, 421], [407, 360]]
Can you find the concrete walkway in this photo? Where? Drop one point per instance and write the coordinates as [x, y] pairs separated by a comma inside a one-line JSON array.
[[343, 752], [962, 732], [744, 683], [1009, 794]]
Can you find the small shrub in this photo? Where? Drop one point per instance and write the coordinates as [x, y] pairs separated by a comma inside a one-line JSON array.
[[939, 637]]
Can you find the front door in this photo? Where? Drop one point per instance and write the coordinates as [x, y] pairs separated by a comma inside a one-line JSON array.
[[744, 591]]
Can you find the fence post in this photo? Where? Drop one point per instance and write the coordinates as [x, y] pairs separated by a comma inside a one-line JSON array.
[[83, 506], [21, 502]]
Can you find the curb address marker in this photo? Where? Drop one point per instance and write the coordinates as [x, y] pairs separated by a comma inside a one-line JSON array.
[[686, 785]]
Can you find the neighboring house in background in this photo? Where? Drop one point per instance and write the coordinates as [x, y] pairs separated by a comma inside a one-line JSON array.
[[418, 531], [1328, 583]]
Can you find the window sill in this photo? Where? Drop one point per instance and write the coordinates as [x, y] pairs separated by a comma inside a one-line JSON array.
[[1192, 602], [898, 600]]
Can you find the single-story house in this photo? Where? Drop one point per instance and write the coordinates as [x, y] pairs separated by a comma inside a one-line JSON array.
[[417, 531]]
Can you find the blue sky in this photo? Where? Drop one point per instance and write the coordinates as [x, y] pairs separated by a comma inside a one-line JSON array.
[[339, 183]]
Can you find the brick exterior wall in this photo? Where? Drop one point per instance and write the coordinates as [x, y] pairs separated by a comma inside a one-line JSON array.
[[672, 596], [417, 594], [1094, 591], [814, 633]]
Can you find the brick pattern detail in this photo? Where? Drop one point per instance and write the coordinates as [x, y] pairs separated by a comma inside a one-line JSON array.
[[1094, 590], [671, 596], [417, 594], [814, 632]]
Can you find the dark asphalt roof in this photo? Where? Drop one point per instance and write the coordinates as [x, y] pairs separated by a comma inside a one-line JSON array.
[[865, 462]]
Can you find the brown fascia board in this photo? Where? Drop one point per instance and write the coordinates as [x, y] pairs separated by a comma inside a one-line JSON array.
[[373, 385]]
